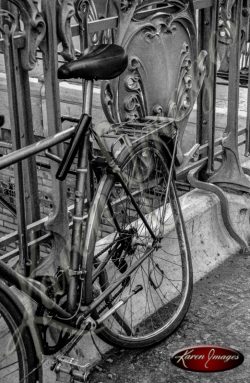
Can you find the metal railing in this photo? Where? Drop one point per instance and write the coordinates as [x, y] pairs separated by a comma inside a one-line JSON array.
[[42, 30]]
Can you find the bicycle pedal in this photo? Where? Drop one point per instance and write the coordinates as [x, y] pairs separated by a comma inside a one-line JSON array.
[[70, 370]]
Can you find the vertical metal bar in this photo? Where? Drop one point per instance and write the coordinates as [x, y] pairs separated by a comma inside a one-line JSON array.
[[234, 77], [82, 13], [82, 179], [206, 103], [58, 222], [83, 17], [231, 174], [75, 255], [247, 146], [9, 52], [32, 208], [87, 106]]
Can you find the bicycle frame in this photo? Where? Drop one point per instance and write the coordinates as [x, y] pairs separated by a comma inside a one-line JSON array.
[[77, 270]]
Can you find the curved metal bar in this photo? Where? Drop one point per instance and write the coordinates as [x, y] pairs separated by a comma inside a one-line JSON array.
[[65, 11], [192, 178]]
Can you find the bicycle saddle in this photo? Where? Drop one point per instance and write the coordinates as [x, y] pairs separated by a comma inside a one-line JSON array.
[[102, 62]]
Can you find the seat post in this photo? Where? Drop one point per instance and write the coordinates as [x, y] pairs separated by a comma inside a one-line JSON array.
[[80, 133], [88, 97]]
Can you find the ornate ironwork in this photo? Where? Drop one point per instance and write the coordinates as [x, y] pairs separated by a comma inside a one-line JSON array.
[[153, 84], [22, 21], [85, 12], [231, 174], [183, 98], [65, 11], [226, 9], [34, 30], [134, 102], [226, 34]]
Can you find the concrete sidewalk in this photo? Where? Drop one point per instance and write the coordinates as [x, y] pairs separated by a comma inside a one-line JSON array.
[[219, 314]]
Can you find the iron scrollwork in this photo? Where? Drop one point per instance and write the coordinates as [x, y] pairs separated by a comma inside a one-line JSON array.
[[226, 36], [190, 81], [226, 29], [230, 174], [182, 104], [226, 7], [134, 103], [34, 30], [65, 11], [83, 11], [125, 11], [153, 84], [150, 31]]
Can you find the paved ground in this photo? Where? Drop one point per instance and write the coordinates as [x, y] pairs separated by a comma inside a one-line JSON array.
[[219, 314]]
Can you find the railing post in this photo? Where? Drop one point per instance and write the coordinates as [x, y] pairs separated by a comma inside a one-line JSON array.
[[231, 174], [206, 103], [58, 222], [17, 66], [247, 147], [16, 144]]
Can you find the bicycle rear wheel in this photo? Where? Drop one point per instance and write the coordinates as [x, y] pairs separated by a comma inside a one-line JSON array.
[[17, 353], [119, 238]]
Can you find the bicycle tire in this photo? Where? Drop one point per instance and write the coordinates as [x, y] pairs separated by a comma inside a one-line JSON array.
[[18, 362], [134, 326]]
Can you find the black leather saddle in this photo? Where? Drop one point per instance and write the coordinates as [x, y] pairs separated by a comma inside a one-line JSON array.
[[102, 62]]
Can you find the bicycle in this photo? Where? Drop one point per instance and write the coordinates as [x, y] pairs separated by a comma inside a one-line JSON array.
[[130, 273]]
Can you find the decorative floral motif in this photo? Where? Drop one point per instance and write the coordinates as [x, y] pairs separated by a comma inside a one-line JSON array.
[[158, 110], [187, 87], [183, 101], [151, 31], [134, 105], [139, 91]]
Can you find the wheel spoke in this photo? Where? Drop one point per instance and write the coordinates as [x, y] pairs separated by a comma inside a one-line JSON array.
[[165, 271]]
